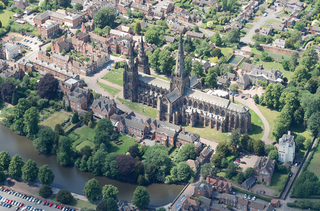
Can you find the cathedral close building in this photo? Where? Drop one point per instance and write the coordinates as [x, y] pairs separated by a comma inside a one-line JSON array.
[[177, 101]]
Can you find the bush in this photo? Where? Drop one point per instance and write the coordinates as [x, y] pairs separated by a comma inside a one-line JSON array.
[[45, 191], [64, 196]]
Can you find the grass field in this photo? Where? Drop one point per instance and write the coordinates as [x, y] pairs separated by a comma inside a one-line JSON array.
[[151, 112], [270, 115], [123, 148], [225, 51], [249, 25], [111, 90], [82, 137], [276, 65], [55, 118], [314, 165], [78, 203], [273, 55], [4, 16], [115, 76], [207, 132], [278, 179], [273, 21]]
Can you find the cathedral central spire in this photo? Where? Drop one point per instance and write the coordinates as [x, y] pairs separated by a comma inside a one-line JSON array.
[[180, 68], [131, 55]]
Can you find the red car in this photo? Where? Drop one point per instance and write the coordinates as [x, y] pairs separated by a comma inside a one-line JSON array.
[[44, 203], [21, 204], [50, 205]]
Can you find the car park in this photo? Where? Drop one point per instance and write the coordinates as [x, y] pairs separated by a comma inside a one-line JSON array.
[[249, 197], [245, 196]]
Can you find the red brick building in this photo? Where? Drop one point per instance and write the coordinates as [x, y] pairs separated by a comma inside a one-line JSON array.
[[48, 29], [132, 125], [142, 8], [103, 107]]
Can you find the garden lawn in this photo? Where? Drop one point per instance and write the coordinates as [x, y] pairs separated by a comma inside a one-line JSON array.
[[276, 65], [82, 136], [115, 76], [249, 25], [314, 165], [273, 21], [270, 115], [4, 17], [79, 203], [256, 125], [208, 133], [278, 180], [55, 118], [123, 148], [225, 51], [111, 90], [151, 112]]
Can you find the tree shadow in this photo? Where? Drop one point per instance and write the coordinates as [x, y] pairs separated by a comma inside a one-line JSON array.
[[255, 129]]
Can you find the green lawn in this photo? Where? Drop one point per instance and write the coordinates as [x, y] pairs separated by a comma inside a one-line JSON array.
[[255, 19], [256, 125], [278, 180], [163, 78], [314, 165], [111, 90], [4, 16], [78, 203], [225, 51], [82, 137], [273, 21], [151, 112], [249, 25], [270, 115], [209, 133], [283, 15], [273, 55], [115, 76], [123, 148], [276, 65], [55, 118]]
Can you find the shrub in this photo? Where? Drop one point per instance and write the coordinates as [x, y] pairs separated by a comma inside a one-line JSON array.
[[45, 191], [64, 196]]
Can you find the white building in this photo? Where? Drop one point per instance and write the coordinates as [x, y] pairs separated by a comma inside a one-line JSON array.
[[11, 50], [286, 148]]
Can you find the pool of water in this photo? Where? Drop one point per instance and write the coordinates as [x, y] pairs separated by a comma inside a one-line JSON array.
[[235, 59]]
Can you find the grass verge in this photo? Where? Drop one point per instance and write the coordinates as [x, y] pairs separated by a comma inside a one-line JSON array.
[[151, 112], [314, 165], [115, 76], [78, 203], [109, 89]]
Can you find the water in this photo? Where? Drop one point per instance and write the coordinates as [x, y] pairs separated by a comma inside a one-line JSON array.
[[235, 59], [73, 179]]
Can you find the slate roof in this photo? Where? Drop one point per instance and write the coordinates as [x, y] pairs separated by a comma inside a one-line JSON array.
[[278, 26], [103, 102], [243, 202], [205, 200], [144, 24], [174, 95], [248, 182], [169, 39], [133, 124], [189, 137], [256, 205], [193, 80], [229, 197], [168, 132]]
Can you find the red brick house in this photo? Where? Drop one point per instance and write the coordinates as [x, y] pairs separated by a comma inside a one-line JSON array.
[[242, 204], [185, 16], [67, 86], [103, 107], [132, 125], [185, 137], [264, 169], [202, 189], [228, 199], [165, 136], [219, 185], [78, 99], [142, 8]]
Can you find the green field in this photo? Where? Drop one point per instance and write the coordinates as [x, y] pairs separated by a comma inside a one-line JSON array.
[[123, 148], [115, 76], [82, 137], [79, 203], [209, 133], [273, 21], [109, 89], [4, 16], [276, 65], [225, 51], [143, 109], [314, 165], [249, 25], [55, 118], [273, 55], [278, 180]]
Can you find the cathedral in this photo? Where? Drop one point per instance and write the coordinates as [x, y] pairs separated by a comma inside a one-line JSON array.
[[179, 101]]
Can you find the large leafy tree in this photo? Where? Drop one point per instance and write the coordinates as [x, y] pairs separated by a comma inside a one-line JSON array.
[[30, 171], [166, 62], [134, 151], [154, 59], [105, 17], [211, 78], [141, 197], [5, 160], [64, 155], [103, 132], [109, 191], [21, 108], [188, 151], [64, 196], [233, 36], [46, 175], [181, 173], [111, 166], [31, 120], [47, 87], [314, 124], [45, 139], [92, 190], [152, 36], [7, 91], [126, 167], [206, 170], [15, 167], [45, 191], [259, 147]]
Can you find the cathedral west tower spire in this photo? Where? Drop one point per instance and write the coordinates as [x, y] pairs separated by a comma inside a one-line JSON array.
[[130, 77], [143, 65]]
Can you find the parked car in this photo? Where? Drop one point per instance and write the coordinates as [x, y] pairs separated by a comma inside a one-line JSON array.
[[254, 198], [245, 196]]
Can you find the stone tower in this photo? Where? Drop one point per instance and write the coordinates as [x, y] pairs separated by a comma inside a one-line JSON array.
[[143, 65], [130, 77], [180, 78]]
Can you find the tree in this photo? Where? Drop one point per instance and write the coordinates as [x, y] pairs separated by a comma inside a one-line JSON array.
[[216, 52], [262, 9], [105, 17], [196, 28], [0, 24], [308, 144], [30, 171], [217, 39], [92, 190], [88, 116], [59, 129], [255, 99], [64, 196], [64, 155], [211, 78], [300, 141], [103, 132], [223, 149], [137, 27], [126, 167], [249, 172], [240, 177], [273, 154], [78, 7], [234, 87], [7, 91], [107, 204], [259, 147], [154, 59], [45, 191], [166, 62], [299, 26], [109, 191], [21, 108], [14, 99], [294, 60], [4, 160], [15, 166], [206, 170], [75, 117], [102, 205], [265, 57], [31, 120], [181, 173], [3, 176], [188, 64], [233, 36], [231, 170], [152, 36], [46, 175], [188, 151], [44, 142], [314, 124], [47, 86], [285, 64], [140, 197], [134, 151]]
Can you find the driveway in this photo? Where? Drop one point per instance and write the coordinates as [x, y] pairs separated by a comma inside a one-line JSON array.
[[248, 162], [260, 187]]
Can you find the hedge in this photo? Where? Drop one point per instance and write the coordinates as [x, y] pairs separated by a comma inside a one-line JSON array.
[[252, 194]]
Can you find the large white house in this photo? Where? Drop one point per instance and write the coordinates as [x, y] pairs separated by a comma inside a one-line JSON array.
[[11, 50], [286, 148]]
